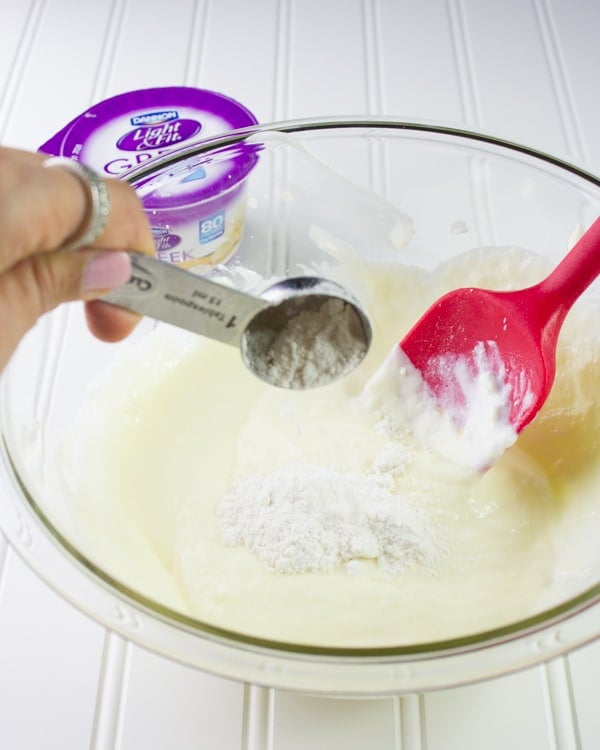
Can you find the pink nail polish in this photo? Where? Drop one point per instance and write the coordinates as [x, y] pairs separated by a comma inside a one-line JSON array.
[[106, 270]]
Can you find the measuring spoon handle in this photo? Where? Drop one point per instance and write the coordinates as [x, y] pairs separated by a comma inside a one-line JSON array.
[[174, 295]]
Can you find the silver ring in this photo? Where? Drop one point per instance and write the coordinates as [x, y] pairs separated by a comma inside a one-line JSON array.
[[98, 210]]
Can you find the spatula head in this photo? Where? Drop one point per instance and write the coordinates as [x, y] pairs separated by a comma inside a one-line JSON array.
[[471, 333]]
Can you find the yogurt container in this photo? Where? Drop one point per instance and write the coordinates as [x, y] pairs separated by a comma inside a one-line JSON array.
[[197, 221]]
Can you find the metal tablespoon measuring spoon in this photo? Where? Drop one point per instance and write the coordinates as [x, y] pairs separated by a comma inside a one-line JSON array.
[[299, 333]]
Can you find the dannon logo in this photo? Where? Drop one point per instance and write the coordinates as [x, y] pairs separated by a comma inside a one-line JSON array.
[[151, 118]]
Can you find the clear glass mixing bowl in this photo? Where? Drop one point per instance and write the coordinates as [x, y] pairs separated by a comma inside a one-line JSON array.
[[392, 191]]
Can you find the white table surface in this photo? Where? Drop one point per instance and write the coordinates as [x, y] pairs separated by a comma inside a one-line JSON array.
[[527, 70]]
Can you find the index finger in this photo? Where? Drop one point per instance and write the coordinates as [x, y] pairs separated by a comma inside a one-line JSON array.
[[40, 209]]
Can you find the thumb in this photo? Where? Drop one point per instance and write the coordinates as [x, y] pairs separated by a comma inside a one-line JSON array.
[[39, 283]]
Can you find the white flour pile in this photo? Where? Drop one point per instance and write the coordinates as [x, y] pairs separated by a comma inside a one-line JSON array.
[[306, 518], [314, 348], [303, 517]]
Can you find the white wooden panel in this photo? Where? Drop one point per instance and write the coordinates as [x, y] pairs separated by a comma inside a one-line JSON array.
[[576, 27], [239, 53], [419, 63], [14, 21], [327, 71], [61, 76], [560, 704], [49, 665], [151, 47], [167, 705], [524, 69], [303, 722], [499, 714], [585, 673], [515, 94]]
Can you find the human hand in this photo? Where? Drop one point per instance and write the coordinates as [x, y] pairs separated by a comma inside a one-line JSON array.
[[42, 210]]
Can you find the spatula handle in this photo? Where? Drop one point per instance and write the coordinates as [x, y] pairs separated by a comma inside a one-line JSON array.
[[577, 270]]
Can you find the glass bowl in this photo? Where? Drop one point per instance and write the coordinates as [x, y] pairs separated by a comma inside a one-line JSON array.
[[387, 191]]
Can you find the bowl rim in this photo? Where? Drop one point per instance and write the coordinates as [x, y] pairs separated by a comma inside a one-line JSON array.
[[316, 124], [523, 628]]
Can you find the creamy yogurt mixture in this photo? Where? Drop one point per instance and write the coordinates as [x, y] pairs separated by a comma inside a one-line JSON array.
[[345, 515]]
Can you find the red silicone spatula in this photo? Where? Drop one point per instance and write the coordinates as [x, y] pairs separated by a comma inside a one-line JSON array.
[[518, 329]]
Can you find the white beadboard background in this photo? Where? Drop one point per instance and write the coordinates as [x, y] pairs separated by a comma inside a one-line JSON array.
[[527, 70]]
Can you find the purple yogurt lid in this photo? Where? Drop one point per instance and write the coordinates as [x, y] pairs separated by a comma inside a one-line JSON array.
[[120, 134]]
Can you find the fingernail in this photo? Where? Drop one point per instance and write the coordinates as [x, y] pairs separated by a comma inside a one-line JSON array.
[[106, 270]]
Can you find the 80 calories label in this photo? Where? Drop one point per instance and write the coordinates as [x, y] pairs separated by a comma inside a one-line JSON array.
[[211, 228]]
